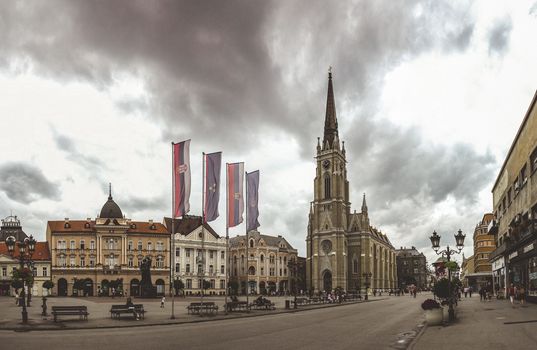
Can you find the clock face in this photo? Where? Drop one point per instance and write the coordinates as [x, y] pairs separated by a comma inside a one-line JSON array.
[[326, 163], [326, 246]]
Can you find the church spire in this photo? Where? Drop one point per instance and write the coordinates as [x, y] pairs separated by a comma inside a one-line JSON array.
[[109, 191], [330, 121], [364, 205]]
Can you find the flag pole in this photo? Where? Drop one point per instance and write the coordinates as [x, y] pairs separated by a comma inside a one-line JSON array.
[[202, 272], [247, 243], [227, 241], [172, 243]]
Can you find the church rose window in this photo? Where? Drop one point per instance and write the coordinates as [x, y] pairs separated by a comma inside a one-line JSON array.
[[326, 245]]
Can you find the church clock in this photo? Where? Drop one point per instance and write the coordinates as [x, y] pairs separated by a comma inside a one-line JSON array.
[[326, 163]]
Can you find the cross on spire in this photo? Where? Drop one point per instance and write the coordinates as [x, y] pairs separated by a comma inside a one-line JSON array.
[[330, 121]]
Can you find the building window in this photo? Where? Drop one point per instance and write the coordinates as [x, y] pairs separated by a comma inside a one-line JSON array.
[[72, 261], [222, 268], [200, 268], [262, 271], [140, 247], [327, 186], [149, 246], [160, 246], [187, 252], [92, 262], [45, 272], [92, 244], [523, 176], [262, 258], [4, 271], [177, 251], [280, 260], [251, 243], [131, 261], [177, 267], [211, 269], [251, 271], [72, 245], [271, 259], [280, 272], [211, 254], [160, 262], [82, 244], [355, 266], [130, 245], [34, 271], [213, 284], [188, 283], [533, 160], [82, 261], [222, 254], [187, 270], [285, 272], [222, 284]]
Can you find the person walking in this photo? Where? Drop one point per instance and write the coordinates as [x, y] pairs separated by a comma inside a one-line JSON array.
[[522, 294], [162, 301], [470, 290], [512, 293]]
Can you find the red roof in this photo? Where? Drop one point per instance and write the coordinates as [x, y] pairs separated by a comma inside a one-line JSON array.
[[41, 251], [80, 226]]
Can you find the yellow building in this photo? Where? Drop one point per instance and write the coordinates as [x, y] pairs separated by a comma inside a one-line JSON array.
[[106, 253], [483, 245]]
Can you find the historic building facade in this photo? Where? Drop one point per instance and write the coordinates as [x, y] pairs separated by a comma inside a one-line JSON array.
[[483, 245], [411, 268], [200, 254], [266, 264], [106, 253], [515, 211], [342, 246], [11, 227]]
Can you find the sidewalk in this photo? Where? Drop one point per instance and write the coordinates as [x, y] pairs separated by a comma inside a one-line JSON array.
[[484, 325], [99, 315]]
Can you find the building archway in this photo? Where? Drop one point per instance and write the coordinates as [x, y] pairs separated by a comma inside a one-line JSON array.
[[62, 287], [160, 287], [88, 287], [135, 287], [327, 281], [105, 287]]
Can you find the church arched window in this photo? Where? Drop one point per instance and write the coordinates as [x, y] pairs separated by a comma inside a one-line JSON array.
[[327, 186]]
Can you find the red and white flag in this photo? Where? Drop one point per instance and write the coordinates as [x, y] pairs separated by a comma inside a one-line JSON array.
[[235, 200], [181, 178]]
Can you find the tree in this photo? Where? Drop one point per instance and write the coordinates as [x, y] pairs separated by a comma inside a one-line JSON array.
[[441, 288], [48, 284], [17, 284], [234, 286], [178, 285], [206, 284]]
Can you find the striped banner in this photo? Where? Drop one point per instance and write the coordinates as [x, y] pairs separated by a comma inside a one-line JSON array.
[[181, 178], [235, 198]]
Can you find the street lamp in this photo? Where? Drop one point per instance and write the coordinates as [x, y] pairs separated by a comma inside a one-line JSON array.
[[26, 250], [459, 240], [367, 276]]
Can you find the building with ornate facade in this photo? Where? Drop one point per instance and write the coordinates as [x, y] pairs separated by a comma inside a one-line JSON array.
[[106, 253], [515, 211], [200, 254], [483, 245], [265, 265], [411, 268], [11, 227], [467, 269], [342, 246]]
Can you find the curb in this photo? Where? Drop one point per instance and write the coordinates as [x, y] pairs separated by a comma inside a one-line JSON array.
[[168, 323]]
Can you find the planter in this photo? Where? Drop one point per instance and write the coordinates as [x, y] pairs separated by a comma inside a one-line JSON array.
[[434, 317]]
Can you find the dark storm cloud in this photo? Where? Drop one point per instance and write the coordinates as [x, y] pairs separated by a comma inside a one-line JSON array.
[[25, 183], [499, 36], [67, 144], [136, 204]]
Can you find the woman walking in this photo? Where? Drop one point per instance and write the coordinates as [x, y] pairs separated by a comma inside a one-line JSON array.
[[512, 293]]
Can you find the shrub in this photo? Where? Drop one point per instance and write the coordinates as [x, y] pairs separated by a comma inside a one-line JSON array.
[[430, 304], [48, 284]]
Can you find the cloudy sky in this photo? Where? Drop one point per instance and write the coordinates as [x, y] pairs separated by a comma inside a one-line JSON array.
[[429, 96]]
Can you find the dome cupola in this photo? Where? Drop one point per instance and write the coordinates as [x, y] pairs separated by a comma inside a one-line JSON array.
[[110, 209]]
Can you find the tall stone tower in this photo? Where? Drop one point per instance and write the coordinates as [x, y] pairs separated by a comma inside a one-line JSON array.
[[326, 241]]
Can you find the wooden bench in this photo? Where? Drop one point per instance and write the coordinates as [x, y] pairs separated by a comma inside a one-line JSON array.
[[81, 311], [301, 301], [200, 308], [136, 310], [237, 306]]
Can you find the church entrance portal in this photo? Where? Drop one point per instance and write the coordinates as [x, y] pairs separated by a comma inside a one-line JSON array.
[[327, 281]]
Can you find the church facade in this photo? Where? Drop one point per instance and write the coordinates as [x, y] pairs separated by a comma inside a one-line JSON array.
[[343, 249]]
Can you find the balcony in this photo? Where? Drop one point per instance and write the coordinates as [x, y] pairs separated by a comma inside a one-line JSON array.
[[111, 270]]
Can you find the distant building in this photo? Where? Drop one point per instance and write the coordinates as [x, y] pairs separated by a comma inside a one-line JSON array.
[[200, 254], [106, 253], [41, 260], [483, 245], [411, 268], [515, 211], [467, 269], [265, 267], [11, 226]]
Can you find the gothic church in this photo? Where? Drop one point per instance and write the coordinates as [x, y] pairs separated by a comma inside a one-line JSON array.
[[342, 247]]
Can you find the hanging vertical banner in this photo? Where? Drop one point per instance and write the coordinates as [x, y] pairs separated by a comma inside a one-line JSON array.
[[252, 188], [213, 162], [235, 197], [181, 178]]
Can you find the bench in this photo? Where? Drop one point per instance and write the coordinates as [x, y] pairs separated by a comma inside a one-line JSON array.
[[200, 308], [237, 306], [301, 301], [136, 310], [262, 304], [81, 311]]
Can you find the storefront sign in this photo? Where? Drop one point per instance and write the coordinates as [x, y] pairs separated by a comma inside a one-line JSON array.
[[513, 255], [498, 264], [528, 248]]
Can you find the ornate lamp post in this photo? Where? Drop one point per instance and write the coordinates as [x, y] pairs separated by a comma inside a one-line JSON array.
[[26, 250], [459, 239], [367, 276]]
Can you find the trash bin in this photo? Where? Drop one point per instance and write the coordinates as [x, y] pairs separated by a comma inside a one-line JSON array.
[[287, 304]]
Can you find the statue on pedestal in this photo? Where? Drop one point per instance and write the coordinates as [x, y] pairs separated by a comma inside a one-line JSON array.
[[147, 290]]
